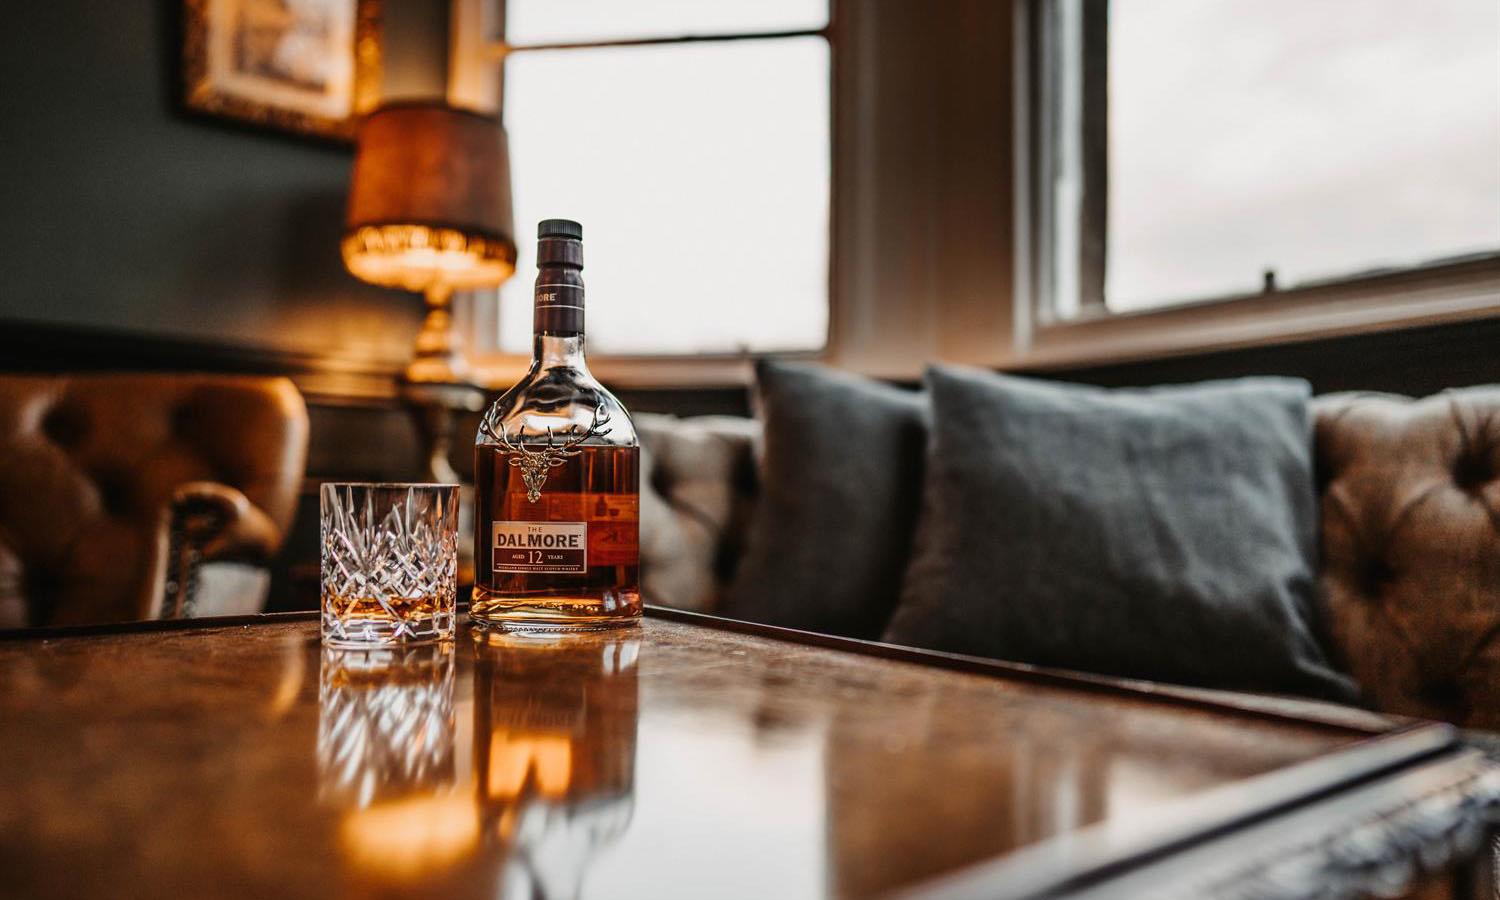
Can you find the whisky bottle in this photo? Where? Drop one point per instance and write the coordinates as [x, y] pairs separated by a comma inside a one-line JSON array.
[[557, 475]]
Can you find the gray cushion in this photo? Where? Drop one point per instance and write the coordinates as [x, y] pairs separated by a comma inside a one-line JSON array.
[[1164, 533], [842, 484]]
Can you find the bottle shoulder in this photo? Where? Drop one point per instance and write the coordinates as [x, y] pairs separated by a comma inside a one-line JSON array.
[[568, 402]]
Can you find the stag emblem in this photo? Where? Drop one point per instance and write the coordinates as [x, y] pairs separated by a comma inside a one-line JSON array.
[[535, 464]]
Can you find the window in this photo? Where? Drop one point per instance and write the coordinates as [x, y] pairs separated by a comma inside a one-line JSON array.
[[698, 166], [1197, 150]]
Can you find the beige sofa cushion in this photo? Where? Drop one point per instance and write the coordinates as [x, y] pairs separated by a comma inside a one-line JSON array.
[[697, 489]]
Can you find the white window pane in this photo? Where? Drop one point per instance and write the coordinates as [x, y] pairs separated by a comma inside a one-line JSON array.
[[700, 174], [560, 21], [1317, 139]]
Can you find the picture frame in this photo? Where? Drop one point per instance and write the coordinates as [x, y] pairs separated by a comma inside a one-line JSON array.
[[304, 67]]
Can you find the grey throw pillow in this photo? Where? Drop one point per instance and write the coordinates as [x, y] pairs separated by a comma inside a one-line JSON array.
[[842, 481], [1164, 533]]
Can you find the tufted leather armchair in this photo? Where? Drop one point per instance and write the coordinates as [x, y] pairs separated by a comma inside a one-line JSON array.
[[1410, 498], [117, 491]]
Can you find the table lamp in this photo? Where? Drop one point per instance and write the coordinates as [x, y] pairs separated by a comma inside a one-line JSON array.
[[430, 211]]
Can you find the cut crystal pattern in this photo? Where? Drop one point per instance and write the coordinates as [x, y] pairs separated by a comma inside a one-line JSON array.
[[390, 563]]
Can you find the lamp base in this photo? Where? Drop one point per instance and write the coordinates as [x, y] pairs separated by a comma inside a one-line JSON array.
[[433, 408], [438, 359]]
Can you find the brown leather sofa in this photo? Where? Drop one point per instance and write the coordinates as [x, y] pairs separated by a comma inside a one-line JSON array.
[[129, 497], [1410, 494]]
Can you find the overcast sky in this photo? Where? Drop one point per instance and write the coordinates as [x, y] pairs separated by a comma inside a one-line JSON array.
[[700, 174], [1317, 138]]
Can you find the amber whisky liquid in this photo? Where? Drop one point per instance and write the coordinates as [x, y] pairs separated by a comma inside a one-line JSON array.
[[565, 556], [388, 610], [365, 621]]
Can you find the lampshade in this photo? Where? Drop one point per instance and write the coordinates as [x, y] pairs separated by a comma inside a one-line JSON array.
[[429, 204]]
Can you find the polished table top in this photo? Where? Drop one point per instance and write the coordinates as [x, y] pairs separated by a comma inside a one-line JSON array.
[[669, 760]]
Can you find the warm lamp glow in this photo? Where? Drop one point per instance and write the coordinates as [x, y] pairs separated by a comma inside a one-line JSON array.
[[416, 258], [544, 761], [412, 837], [430, 211]]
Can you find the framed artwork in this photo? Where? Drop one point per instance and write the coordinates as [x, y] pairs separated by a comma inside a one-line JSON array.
[[308, 67]]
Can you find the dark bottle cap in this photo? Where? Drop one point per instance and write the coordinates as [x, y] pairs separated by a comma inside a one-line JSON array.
[[559, 280], [559, 242], [559, 228]]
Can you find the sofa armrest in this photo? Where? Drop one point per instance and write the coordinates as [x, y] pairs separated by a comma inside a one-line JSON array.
[[207, 521]]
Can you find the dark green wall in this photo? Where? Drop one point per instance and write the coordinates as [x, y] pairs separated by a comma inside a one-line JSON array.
[[118, 212]]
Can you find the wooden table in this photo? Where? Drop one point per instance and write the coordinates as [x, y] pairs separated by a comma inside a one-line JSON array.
[[689, 757]]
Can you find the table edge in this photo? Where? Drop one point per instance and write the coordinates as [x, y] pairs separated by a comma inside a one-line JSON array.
[[1319, 713], [1088, 860], [1315, 713], [148, 626]]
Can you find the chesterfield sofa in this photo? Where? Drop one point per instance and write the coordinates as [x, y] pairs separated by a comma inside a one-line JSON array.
[[1409, 494]]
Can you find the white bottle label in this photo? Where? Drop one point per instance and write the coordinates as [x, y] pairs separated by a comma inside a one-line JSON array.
[[556, 548]]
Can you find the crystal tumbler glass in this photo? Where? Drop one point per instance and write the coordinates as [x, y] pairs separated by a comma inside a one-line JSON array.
[[390, 563]]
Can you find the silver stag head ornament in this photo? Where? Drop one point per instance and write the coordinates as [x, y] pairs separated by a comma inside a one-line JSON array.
[[534, 464]]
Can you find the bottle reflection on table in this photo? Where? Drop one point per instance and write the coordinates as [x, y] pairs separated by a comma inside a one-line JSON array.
[[554, 752]]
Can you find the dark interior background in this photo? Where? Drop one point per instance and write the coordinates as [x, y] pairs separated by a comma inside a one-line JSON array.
[[123, 213]]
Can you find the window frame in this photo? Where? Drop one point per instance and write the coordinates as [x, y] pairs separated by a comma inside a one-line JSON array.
[[936, 251], [1083, 330], [478, 48]]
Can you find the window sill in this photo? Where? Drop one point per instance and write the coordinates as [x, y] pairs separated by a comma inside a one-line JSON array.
[[1469, 290], [1387, 302], [498, 372]]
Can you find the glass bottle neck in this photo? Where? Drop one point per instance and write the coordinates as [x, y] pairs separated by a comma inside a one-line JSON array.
[[552, 351]]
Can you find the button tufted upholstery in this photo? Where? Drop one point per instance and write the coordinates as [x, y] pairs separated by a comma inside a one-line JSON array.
[[97, 472], [1410, 494], [1411, 548]]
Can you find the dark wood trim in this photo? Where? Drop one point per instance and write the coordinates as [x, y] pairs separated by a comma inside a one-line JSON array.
[[50, 348], [324, 379], [1093, 858], [1221, 702], [1208, 701], [1415, 362], [1093, 214], [1412, 361], [502, 48], [54, 632]]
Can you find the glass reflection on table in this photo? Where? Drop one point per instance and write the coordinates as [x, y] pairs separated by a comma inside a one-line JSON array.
[[386, 757], [518, 785], [385, 723]]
